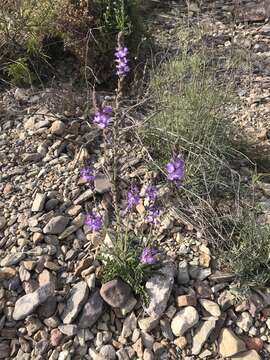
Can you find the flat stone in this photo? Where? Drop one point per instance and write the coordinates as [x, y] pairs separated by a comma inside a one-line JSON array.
[[116, 293], [183, 274], [186, 300], [29, 302], [148, 324], [4, 350], [76, 300], [69, 330], [159, 288], [12, 259], [211, 307], [229, 343], [148, 355], [184, 320], [91, 312], [129, 325], [199, 273], [39, 201], [247, 355], [56, 225], [220, 277], [3, 222], [201, 335], [88, 194]]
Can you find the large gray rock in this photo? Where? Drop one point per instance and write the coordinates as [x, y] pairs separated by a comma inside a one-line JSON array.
[[184, 320], [183, 274], [39, 201], [29, 302], [12, 259], [92, 310], [56, 225], [108, 352], [76, 300], [159, 288], [116, 293], [201, 335]]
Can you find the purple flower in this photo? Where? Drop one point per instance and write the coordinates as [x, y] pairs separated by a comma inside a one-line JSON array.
[[121, 61], [175, 168], [151, 192], [152, 215], [94, 221], [133, 197], [103, 117], [87, 174], [148, 256]]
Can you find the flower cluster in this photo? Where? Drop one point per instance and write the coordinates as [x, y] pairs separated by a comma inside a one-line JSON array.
[[176, 168], [148, 256], [133, 197], [121, 61], [151, 193], [103, 117], [87, 174], [94, 221], [153, 213]]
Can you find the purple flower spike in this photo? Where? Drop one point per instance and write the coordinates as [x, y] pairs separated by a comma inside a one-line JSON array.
[[133, 197], [148, 256], [87, 174], [176, 168], [94, 221], [103, 117], [152, 215], [151, 192], [122, 61]]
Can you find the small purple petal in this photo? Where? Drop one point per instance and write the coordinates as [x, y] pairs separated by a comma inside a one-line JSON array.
[[148, 256], [94, 221], [176, 169]]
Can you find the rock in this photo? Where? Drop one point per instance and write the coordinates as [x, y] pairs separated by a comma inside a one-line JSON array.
[[148, 355], [58, 127], [181, 342], [226, 300], [184, 320], [56, 225], [186, 300], [159, 288], [199, 273], [148, 324], [128, 307], [201, 335], [220, 277], [229, 343], [69, 330], [91, 312], [56, 337], [77, 298], [244, 321], [253, 343], [48, 308], [116, 293], [3, 222], [138, 348], [122, 354], [29, 302], [88, 194], [183, 274], [38, 203], [102, 184], [211, 307], [247, 355], [166, 330], [20, 94], [12, 259], [129, 325], [108, 352], [4, 350]]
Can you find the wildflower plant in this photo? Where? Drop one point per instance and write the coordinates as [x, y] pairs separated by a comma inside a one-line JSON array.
[[131, 256]]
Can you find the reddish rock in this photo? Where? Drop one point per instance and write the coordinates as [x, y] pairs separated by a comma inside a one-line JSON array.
[[253, 343], [82, 265], [56, 337], [186, 300]]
